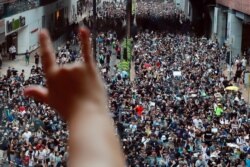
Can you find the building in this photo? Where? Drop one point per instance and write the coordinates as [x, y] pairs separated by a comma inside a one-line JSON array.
[[20, 21], [231, 24], [185, 6]]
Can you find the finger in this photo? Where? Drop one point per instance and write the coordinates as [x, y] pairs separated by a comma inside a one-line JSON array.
[[37, 92], [48, 56], [86, 48]]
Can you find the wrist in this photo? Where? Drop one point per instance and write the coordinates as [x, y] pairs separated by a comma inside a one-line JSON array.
[[92, 134]]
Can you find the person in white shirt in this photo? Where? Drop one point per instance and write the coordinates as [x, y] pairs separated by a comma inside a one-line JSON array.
[[46, 151], [12, 51], [244, 62], [52, 157], [41, 154], [133, 127], [240, 140], [27, 134]]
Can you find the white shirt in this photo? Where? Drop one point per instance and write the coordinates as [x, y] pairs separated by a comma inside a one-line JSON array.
[[27, 135], [40, 154], [244, 62], [52, 157]]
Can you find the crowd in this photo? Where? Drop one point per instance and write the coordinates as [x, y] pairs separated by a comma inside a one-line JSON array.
[[110, 16], [157, 9], [31, 133], [112, 10], [145, 15], [175, 113]]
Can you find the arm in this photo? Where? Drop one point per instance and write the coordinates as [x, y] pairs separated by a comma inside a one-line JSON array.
[[78, 94]]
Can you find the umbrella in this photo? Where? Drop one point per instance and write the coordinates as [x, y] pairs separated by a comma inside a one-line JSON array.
[[124, 74], [234, 88]]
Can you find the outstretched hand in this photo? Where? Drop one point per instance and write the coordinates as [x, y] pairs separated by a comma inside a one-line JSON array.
[[69, 87]]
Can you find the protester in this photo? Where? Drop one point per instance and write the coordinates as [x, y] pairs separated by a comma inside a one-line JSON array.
[[27, 57]]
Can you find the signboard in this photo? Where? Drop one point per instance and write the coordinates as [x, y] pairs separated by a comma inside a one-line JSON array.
[[15, 24], [216, 11], [177, 73]]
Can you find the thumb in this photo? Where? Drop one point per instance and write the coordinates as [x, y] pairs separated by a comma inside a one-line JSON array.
[[37, 92]]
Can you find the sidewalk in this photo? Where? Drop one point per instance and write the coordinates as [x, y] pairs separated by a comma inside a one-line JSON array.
[[244, 90], [19, 64]]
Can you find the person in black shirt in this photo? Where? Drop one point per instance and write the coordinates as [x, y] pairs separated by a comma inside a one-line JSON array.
[[208, 136], [37, 60]]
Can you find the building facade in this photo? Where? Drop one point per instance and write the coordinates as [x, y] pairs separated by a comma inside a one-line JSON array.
[[231, 24], [186, 7], [22, 20]]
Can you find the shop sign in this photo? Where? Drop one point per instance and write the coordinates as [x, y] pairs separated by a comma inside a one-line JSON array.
[[15, 24]]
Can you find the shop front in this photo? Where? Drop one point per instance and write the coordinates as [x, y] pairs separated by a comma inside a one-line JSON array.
[[12, 29]]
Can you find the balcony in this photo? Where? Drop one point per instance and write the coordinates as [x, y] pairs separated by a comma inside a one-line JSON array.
[[12, 7]]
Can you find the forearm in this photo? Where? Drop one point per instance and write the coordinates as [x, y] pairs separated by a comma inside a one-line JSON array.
[[92, 139]]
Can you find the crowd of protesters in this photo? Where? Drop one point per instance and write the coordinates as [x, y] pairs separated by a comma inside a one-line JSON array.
[[175, 113], [150, 13], [145, 15], [110, 16], [112, 10], [32, 134], [157, 9]]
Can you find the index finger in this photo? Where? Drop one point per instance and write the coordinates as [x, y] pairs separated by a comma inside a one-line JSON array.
[[86, 47], [47, 51]]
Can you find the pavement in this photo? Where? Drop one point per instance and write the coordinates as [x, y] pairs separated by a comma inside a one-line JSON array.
[[243, 88], [19, 64]]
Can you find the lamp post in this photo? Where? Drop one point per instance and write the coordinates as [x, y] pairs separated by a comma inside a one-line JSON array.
[[129, 5], [128, 32], [94, 30]]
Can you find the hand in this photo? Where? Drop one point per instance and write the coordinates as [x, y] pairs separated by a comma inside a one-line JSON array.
[[71, 86]]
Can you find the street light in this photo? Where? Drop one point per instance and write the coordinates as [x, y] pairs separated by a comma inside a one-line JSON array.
[[129, 6], [94, 29]]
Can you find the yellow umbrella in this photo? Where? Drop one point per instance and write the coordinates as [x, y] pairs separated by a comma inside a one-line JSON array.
[[234, 88]]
